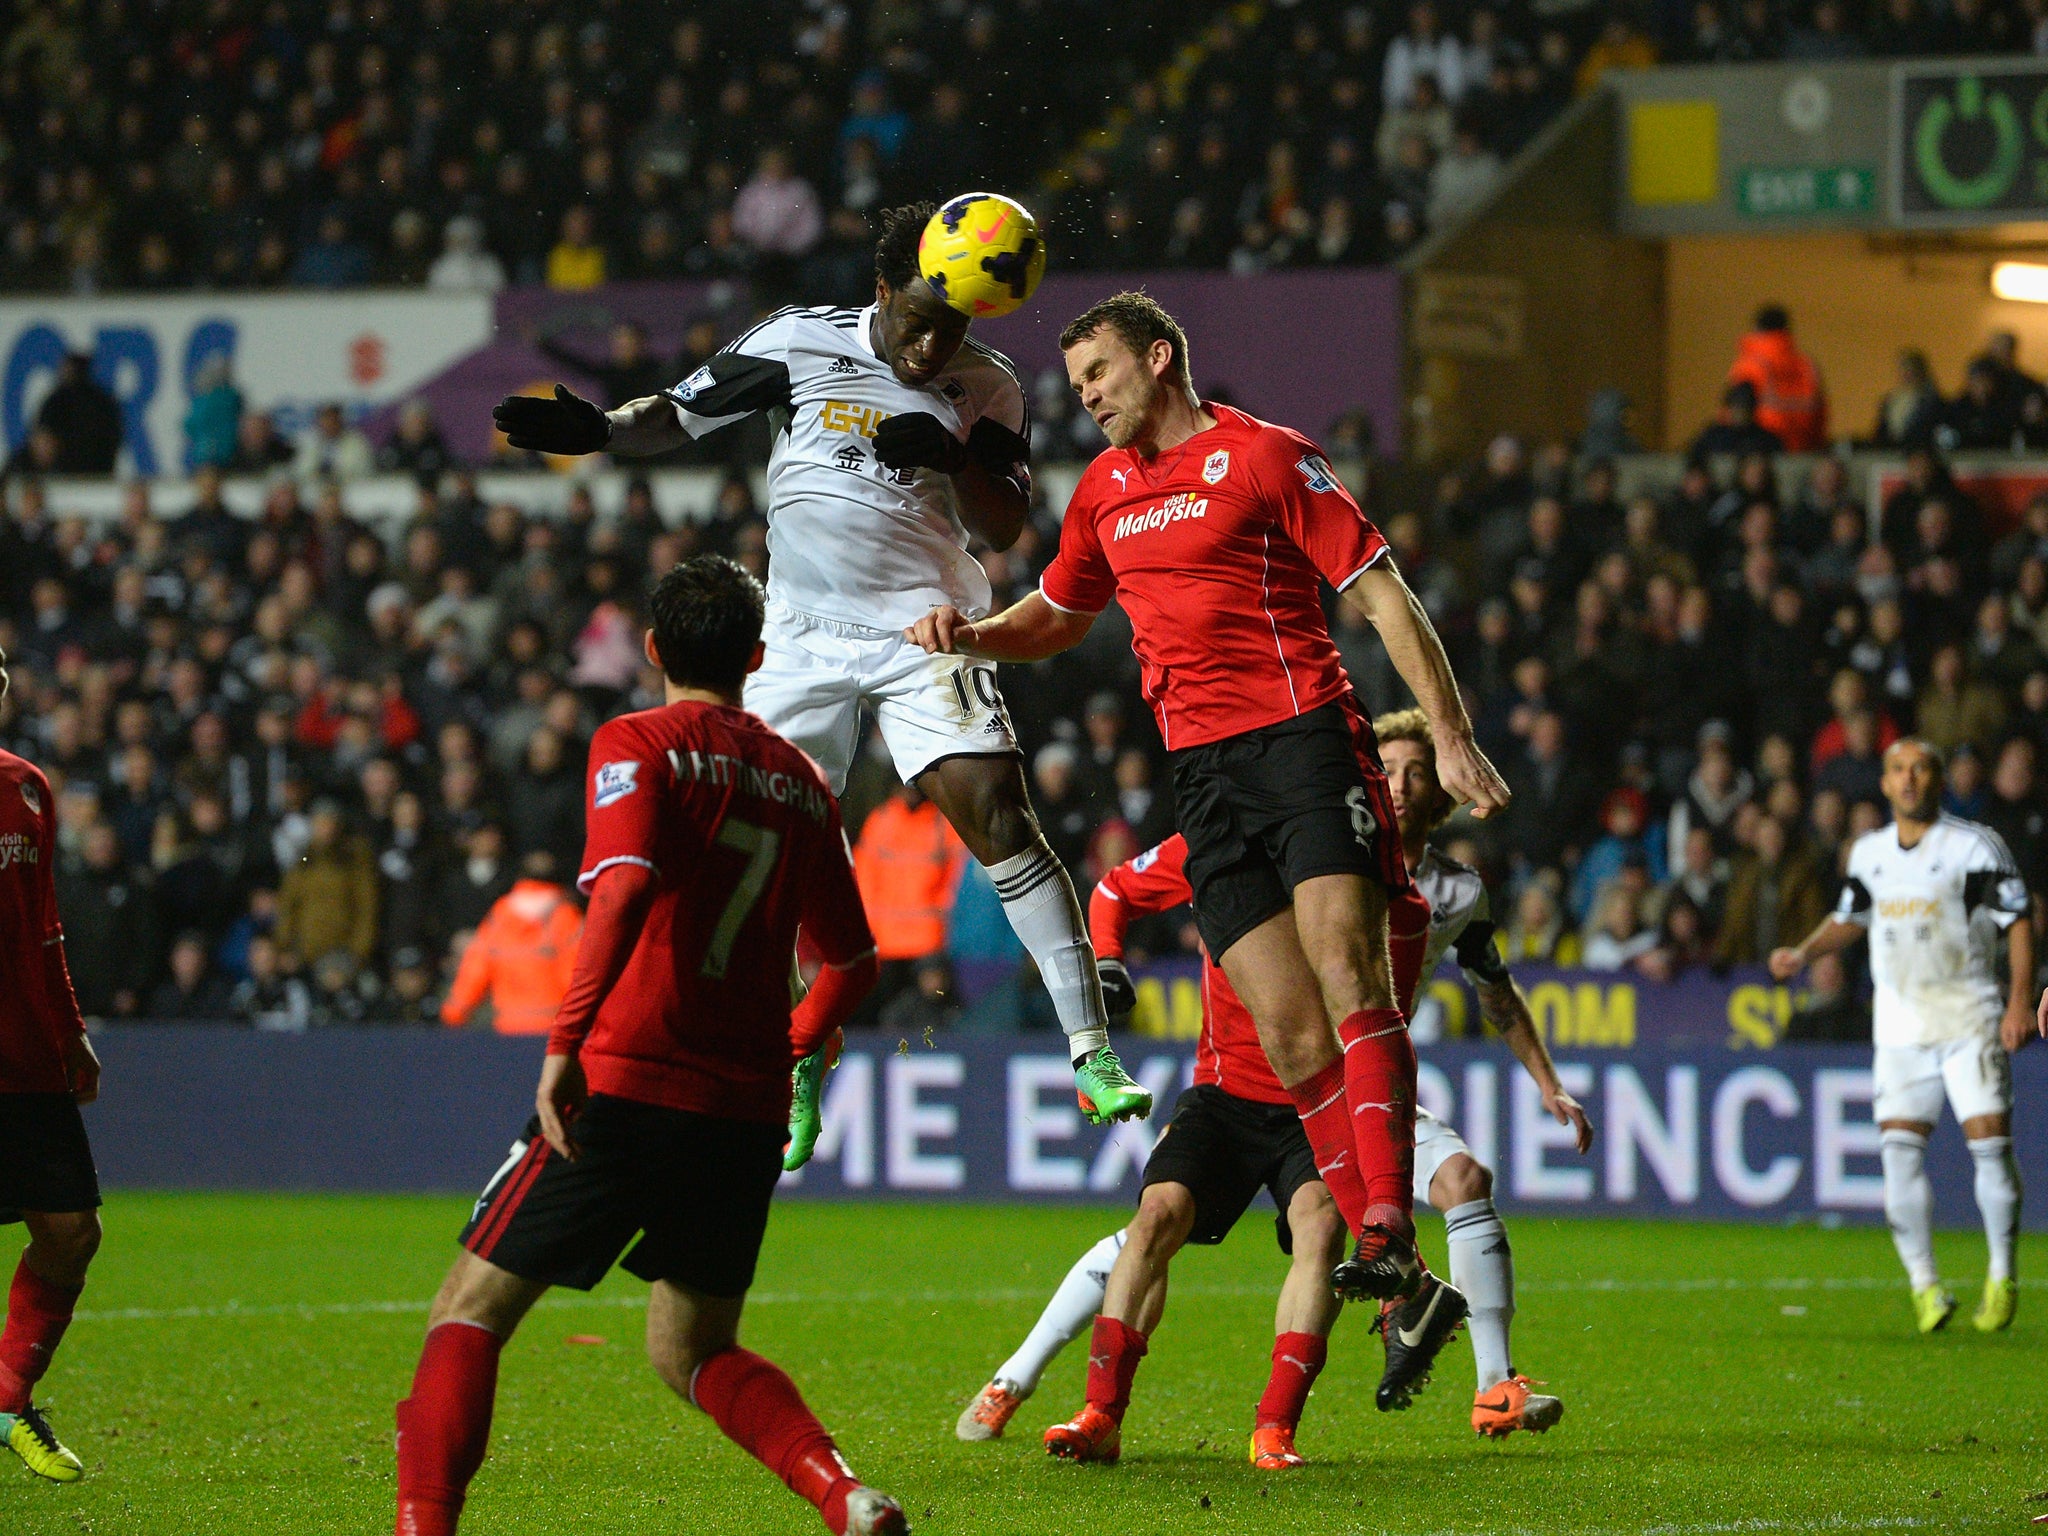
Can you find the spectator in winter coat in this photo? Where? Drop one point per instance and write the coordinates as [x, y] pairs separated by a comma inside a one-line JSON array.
[[1791, 402], [521, 957], [328, 900], [84, 418], [1777, 897]]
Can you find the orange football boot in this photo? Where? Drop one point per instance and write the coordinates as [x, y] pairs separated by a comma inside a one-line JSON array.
[[1273, 1448], [1507, 1406], [989, 1414], [1090, 1435]]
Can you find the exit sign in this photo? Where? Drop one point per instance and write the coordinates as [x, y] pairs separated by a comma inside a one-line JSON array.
[[1795, 191]]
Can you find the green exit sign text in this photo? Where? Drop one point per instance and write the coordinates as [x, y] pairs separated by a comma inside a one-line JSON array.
[[1791, 191]]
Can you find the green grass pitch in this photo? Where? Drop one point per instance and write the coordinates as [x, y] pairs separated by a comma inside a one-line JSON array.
[[237, 1358]]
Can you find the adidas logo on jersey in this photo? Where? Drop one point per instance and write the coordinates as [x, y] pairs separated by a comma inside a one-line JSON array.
[[842, 365]]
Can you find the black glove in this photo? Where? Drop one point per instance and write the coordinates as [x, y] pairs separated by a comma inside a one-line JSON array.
[[919, 440], [566, 424], [1119, 993]]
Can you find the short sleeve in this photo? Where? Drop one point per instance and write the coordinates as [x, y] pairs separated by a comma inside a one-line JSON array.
[[1853, 905], [751, 374], [1315, 511], [1080, 579], [1155, 881], [622, 807], [833, 917], [1477, 955], [1992, 881]]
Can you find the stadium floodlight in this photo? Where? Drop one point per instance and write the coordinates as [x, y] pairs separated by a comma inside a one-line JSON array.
[[2024, 281]]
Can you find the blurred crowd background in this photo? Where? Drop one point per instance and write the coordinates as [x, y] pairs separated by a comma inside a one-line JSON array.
[[464, 143], [302, 760], [314, 770]]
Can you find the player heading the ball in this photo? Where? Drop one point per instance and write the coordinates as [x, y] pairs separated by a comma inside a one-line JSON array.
[[898, 437], [1212, 529]]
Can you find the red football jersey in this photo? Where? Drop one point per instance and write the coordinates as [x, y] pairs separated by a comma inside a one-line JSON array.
[[745, 842], [1214, 549], [1228, 1054], [37, 1006]]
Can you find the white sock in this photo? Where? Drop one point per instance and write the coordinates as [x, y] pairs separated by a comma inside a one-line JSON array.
[[1072, 1309], [1483, 1267], [1909, 1204], [1038, 899], [1998, 1197]]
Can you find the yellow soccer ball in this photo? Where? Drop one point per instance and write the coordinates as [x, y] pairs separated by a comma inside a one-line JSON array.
[[982, 254]]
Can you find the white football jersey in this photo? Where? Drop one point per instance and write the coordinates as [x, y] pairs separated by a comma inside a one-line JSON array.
[[1460, 918], [848, 539], [1935, 912]]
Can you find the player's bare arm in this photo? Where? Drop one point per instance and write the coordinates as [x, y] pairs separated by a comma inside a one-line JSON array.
[[1832, 935], [1506, 1007], [1030, 630], [2017, 1027], [1418, 655], [618, 909], [82, 1067]]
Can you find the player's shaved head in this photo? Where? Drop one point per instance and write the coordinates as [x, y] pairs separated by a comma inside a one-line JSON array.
[[707, 614], [1913, 772]]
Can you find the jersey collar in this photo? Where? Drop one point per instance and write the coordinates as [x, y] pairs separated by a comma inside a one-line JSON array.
[[863, 331]]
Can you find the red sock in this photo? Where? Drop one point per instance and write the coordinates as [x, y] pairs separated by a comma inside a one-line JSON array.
[[1297, 1362], [444, 1426], [1113, 1355], [38, 1312], [1320, 1103], [1379, 1084], [761, 1412]]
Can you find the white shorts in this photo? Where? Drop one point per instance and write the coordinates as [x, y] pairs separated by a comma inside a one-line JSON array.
[[1973, 1074], [1436, 1143], [818, 672]]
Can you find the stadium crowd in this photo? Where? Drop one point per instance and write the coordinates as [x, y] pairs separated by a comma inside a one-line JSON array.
[[300, 763], [464, 144]]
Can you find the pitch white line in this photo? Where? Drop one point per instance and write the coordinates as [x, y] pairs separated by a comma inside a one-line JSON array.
[[770, 1298]]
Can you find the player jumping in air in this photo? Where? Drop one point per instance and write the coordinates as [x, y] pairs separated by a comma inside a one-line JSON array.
[[896, 436], [1211, 528], [665, 1091], [1231, 1161], [1933, 893], [47, 1069]]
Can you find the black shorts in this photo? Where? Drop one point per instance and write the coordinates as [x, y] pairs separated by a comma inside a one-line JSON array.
[[1268, 809], [1225, 1150], [694, 1188], [45, 1160]]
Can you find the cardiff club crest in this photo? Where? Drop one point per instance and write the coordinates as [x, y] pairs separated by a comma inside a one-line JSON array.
[[1216, 467]]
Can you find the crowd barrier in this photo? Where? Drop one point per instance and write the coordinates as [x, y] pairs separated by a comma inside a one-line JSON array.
[[1704, 1132]]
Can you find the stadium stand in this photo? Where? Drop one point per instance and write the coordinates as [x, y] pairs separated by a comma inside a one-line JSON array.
[[314, 752]]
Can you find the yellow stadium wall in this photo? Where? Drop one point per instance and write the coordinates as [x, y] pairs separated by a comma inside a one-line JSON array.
[[1856, 300]]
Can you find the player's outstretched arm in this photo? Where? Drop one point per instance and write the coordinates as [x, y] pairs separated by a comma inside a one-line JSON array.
[[645, 426], [1418, 655], [1027, 631], [1505, 1006], [1831, 935]]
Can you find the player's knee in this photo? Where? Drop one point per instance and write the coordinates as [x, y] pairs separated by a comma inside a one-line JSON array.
[[1461, 1180], [66, 1241], [1166, 1215], [1317, 1225]]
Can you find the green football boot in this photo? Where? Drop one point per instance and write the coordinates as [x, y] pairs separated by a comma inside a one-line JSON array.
[[29, 1436], [1933, 1306], [806, 1117], [1106, 1091]]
